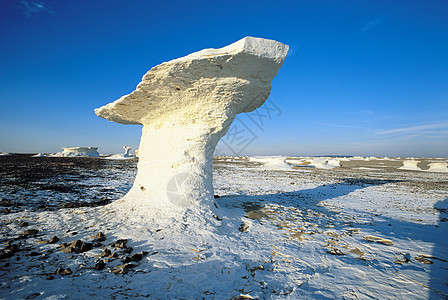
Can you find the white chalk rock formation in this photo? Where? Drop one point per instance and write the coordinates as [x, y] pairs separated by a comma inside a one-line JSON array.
[[439, 167], [272, 162], [127, 151], [185, 106], [125, 155], [79, 151], [410, 165]]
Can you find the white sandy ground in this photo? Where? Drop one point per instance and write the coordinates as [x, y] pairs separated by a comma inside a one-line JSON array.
[[307, 235]]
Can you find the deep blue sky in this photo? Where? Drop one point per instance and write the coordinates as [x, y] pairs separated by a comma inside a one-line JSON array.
[[361, 78]]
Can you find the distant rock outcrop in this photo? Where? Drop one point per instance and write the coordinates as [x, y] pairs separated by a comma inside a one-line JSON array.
[[79, 152]]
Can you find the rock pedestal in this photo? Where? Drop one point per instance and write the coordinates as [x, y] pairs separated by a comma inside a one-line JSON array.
[[185, 106]]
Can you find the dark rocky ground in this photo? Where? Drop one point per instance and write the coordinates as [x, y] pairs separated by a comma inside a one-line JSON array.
[[48, 183]]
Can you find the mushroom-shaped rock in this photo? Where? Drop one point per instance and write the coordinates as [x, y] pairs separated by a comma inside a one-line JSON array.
[[185, 106], [127, 151]]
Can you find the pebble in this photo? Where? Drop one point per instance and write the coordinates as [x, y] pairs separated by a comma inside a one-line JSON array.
[[54, 239], [62, 271]]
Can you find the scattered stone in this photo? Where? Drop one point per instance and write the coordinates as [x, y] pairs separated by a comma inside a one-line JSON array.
[[244, 226], [335, 252], [9, 250], [120, 244], [128, 250], [353, 231], [113, 255], [371, 238], [23, 224], [51, 277], [32, 296], [126, 259], [357, 251], [257, 268], [123, 269], [54, 239], [6, 211], [100, 264], [97, 244], [244, 297], [6, 202], [100, 237], [106, 252], [62, 271], [77, 246], [34, 253], [137, 256], [30, 232], [422, 259], [404, 258]]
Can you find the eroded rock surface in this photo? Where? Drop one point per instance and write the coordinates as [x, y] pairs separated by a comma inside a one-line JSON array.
[[185, 106]]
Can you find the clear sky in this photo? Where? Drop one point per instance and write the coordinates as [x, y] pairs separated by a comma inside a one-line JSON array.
[[361, 78]]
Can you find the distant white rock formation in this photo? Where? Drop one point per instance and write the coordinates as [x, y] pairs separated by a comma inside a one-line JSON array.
[[323, 163], [185, 106], [272, 162], [410, 165], [127, 151], [126, 155], [79, 152], [438, 167]]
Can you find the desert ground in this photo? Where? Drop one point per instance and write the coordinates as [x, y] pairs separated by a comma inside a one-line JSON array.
[[289, 228]]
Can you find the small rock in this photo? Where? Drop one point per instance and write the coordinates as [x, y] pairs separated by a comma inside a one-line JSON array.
[[99, 265], [244, 227], [136, 257], [54, 239], [23, 224], [371, 238], [97, 244], [217, 196], [51, 277], [9, 250], [423, 260], [257, 268], [335, 252], [128, 250], [126, 259], [106, 252], [7, 211], [123, 269], [118, 271], [113, 255], [77, 246], [120, 244], [100, 237], [34, 253], [32, 296], [62, 271], [6, 202], [30, 232]]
